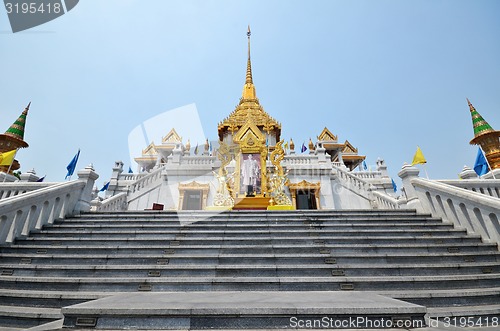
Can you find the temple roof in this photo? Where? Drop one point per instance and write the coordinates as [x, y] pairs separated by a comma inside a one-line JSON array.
[[249, 107]]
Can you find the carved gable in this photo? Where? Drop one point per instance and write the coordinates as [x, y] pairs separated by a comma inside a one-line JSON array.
[[349, 149], [150, 150], [172, 137], [249, 136], [326, 135]]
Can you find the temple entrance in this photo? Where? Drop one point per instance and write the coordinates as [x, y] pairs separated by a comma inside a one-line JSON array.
[[305, 195], [192, 200], [193, 196], [306, 199]]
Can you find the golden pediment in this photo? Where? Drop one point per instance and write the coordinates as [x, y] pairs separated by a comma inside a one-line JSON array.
[[150, 150], [304, 185], [195, 186], [172, 137], [327, 135], [249, 135], [349, 149]]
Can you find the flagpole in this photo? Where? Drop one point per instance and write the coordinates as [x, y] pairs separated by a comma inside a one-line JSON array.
[[489, 167], [10, 166], [426, 174]]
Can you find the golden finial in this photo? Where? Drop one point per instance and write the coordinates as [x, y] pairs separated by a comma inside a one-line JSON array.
[[249, 88], [188, 145], [292, 144], [249, 63], [311, 145]]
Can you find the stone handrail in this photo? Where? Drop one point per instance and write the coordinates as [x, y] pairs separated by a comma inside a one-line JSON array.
[[385, 201], [131, 177], [476, 212], [356, 184], [8, 190], [145, 181], [490, 187], [367, 174], [201, 159], [291, 160], [115, 203], [32, 210]]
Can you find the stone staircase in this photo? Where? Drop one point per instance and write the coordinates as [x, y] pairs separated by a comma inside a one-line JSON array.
[[397, 253]]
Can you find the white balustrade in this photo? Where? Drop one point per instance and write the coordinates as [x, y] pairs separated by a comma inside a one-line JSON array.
[[8, 190], [145, 181], [367, 174], [131, 177], [32, 210], [385, 201], [21, 213], [476, 212], [299, 160], [115, 203], [356, 184], [490, 187], [198, 160]]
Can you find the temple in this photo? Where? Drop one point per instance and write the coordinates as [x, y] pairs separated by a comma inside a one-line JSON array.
[[179, 178], [247, 233]]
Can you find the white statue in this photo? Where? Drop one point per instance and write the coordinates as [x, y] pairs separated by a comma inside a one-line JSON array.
[[250, 171]]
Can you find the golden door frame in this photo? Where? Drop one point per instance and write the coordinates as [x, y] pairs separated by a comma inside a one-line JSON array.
[[193, 186], [305, 185]]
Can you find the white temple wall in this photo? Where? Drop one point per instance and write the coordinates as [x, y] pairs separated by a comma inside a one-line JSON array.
[[345, 198]]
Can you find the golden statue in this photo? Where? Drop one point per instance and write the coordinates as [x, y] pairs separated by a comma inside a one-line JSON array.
[[278, 179], [224, 195]]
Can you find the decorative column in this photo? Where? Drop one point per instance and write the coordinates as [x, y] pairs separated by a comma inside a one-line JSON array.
[[29, 176], [408, 173], [89, 176], [115, 176], [467, 173]]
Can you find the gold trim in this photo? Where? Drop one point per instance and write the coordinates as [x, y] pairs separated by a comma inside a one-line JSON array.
[[172, 137], [327, 135], [193, 186], [305, 185], [251, 141]]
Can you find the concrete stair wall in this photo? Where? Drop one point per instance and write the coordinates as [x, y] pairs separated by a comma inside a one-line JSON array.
[[397, 253]]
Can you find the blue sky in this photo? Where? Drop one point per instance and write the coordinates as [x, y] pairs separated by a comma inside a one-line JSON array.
[[386, 75]]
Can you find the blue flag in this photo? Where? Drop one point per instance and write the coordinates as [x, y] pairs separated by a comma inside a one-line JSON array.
[[303, 148], [72, 165], [394, 186], [130, 170], [105, 187], [481, 165], [364, 165]]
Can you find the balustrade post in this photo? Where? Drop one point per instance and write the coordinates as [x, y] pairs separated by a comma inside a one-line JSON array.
[[407, 173], [89, 175], [115, 176]]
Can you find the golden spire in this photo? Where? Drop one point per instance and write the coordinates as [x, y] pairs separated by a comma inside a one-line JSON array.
[[249, 88], [248, 108], [249, 63]]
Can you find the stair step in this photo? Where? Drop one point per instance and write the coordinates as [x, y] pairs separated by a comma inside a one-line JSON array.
[[400, 254], [30, 312]]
